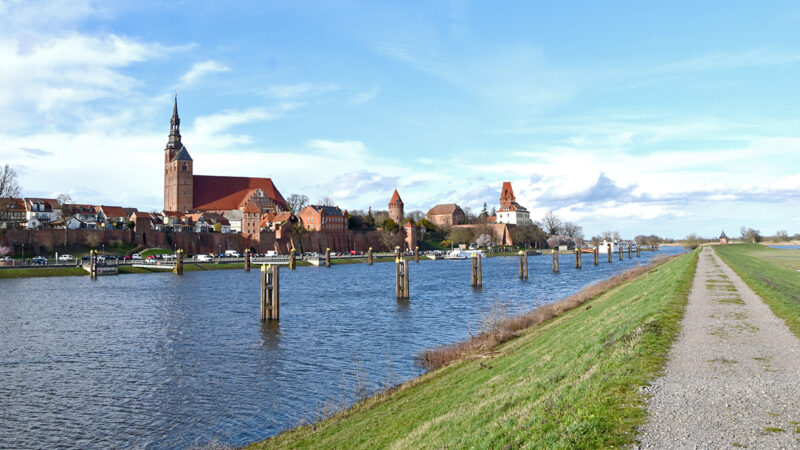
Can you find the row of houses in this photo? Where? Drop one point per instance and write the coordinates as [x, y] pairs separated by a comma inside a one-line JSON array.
[[40, 213]]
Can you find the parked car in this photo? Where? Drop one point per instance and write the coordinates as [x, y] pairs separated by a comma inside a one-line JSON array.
[[204, 258], [127, 257], [271, 253], [65, 257], [39, 261], [85, 257], [169, 257], [232, 254], [136, 256], [101, 259]]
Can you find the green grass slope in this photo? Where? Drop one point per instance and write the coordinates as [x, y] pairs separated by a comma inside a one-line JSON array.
[[772, 274], [572, 382]]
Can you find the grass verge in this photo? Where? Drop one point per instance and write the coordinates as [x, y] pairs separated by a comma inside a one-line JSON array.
[[772, 274], [42, 272], [570, 382]]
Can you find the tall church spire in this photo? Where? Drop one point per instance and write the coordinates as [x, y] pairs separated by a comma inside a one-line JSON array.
[[175, 127]]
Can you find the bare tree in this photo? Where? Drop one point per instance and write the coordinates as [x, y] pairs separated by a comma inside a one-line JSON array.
[[781, 236], [66, 214], [391, 239], [611, 235], [326, 201], [551, 223], [750, 234], [296, 202], [9, 187], [572, 230]]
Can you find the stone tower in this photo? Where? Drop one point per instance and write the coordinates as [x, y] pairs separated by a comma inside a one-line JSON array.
[[178, 171], [396, 208], [507, 195]]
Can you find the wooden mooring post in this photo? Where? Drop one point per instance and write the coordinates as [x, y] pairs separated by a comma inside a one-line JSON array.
[[596, 256], [270, 292], [369, 256], [477, 270], [638, 248], [630, 250], [327, 257], [178, 270], [292, 260], [416, 254], [523, 265], [247, 260], [92, 263], [578, 258], [556, 267], [610, 253], [401, 280], [619, 250]]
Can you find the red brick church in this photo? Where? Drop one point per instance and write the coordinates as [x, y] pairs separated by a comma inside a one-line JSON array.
[[238, 197]]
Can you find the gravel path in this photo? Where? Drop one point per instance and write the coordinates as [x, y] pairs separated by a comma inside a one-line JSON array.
[[733, 375]]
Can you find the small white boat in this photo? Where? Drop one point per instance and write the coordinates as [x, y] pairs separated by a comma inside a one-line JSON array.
[[455, 254]]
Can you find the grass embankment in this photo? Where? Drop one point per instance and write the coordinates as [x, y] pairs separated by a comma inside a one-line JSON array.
[[157, 251], [772, 274], [570, 382], [42, 272]]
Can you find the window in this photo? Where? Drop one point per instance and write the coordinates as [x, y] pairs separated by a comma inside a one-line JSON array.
[[185, 167]]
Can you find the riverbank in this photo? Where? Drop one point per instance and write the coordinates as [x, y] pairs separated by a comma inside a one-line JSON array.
[[572, 381], [772, 274]]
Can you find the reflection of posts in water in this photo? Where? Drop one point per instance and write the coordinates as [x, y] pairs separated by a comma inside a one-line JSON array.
[[270, 292]]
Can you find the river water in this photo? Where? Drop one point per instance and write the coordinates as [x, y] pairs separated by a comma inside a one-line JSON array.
[[160, 361]]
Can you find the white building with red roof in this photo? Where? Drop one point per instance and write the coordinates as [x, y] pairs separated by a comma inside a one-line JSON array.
[[510, 211]]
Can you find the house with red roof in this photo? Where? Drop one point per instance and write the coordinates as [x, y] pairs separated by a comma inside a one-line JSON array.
[[186, 192], [40, 212], [446, 215], [510, 211], [323, 218], [12, 213], [112, 216]]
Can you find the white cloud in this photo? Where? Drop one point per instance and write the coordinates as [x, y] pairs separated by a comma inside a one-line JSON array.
[[201, 69], [289, 91]]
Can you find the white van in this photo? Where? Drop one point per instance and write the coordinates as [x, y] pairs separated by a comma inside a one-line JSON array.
[[271, 253], [204, 258], [232, 254]]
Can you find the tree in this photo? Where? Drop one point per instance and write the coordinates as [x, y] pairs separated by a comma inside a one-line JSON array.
[[390, 225], [781, 236], [551, 223], [9, 187], [750, 234], [5, 250], [217, 227], [611, 235], [484, 213], [494, 212], [484, 240], [693, 241], [560, 239], [296, 202], [459, 236], [427, 224], [326, 201], [369, 220], [572, 230], [390, 239]]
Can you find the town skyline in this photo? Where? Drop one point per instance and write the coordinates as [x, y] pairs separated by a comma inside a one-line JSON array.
[[650, 131]]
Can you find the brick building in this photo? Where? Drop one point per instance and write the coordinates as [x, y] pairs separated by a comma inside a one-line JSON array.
[[723, 238], [12, 213], [323, 218], [396, 212], [184, 191], [446, 215]]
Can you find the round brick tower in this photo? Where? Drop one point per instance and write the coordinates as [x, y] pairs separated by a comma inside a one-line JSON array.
[[396, 208]]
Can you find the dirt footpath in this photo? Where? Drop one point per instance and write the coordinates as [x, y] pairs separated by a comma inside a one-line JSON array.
[[733, 375]]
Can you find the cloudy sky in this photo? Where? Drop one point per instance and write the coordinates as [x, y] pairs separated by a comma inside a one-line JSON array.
[[642, 117]]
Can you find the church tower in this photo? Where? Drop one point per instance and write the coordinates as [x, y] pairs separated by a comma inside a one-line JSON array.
[[178, 171], [396, 208]]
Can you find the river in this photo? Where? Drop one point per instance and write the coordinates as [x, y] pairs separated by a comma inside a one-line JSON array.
[[159, 361]]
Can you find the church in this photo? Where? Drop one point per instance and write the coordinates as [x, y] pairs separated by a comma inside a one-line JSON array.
[[243, 200]]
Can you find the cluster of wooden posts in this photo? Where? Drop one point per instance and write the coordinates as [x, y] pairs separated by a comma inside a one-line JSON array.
[[596, 254]]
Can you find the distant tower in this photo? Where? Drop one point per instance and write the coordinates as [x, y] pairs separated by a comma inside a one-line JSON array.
[[507, 195], [396, 208], [178, 171]]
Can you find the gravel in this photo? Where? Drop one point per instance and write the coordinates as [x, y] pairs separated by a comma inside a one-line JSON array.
[[733, 375]]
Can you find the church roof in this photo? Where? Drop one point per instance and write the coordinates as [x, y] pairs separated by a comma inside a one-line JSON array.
[[396, 200], [225, 193], [252, 208], [328, 210], [183, 155], [507, 194], [723, 236]]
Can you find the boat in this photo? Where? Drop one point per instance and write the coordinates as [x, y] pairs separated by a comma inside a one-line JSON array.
[[455, 254]]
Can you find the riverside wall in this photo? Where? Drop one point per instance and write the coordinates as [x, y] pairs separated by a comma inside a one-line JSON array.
[[47, 242]]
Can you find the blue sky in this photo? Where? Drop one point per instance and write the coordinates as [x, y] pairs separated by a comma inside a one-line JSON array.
[[665, 118]]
